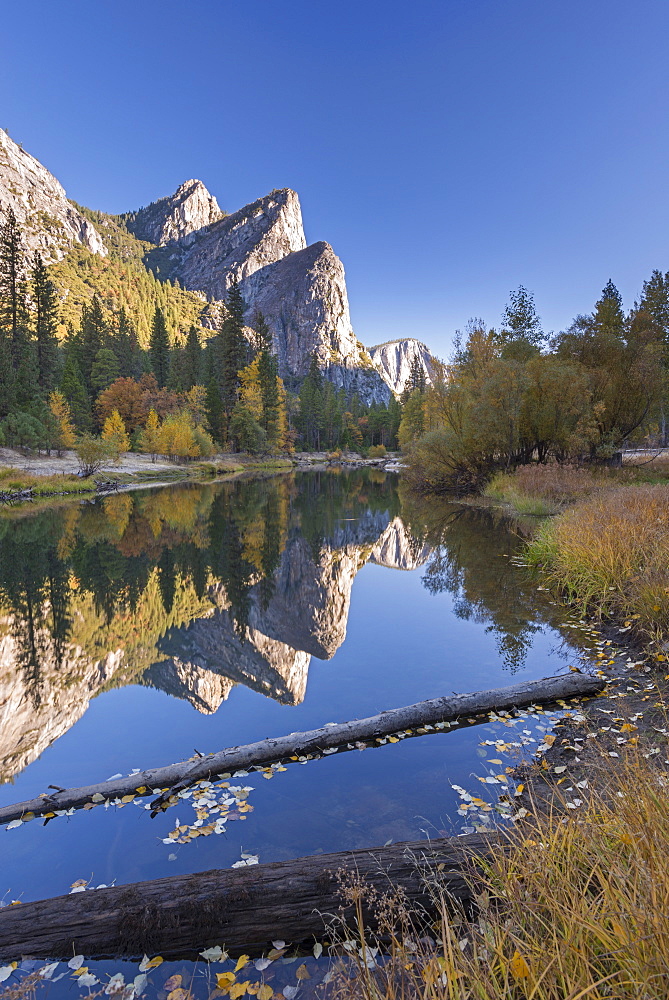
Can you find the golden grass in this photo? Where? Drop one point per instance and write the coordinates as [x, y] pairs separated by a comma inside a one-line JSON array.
[[579, 907], [14, 479], [610, 553], [547, 489]]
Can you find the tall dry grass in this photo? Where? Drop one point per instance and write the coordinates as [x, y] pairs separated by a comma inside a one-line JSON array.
[[610, 553], [547, 489], [579, 907]]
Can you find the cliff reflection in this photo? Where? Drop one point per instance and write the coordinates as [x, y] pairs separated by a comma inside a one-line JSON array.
[[190, 589], [196, 588]]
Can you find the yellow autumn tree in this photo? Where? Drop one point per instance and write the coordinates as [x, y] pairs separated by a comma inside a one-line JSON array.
[[66, 435], [114, 432], [177, 437], [149, 440], [250, 391]]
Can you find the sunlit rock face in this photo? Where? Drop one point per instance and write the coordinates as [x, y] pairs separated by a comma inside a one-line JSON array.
[[397, 548], [394, 359], [40, 204], [236, 246], [176, 217], [37, 707]]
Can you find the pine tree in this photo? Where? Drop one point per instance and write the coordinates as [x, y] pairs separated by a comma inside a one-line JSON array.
[[159, 348], [192, 368], [214, 410], [126, 347], [269, 383], [46, 321], [12, 278], [520, 321], [609, 315], [73, 388], [233, 348], [105, 370], [92, 338], [262, 333], [311, 404]]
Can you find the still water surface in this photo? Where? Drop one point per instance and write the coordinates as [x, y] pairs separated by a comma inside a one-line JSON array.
[[143, 627]]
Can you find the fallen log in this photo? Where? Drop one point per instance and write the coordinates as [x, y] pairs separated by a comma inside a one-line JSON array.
[[244, 908], [175, 777]]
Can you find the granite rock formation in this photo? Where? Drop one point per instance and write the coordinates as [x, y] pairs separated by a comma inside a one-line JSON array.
[[51, 223], [189, 209], [393, 360]]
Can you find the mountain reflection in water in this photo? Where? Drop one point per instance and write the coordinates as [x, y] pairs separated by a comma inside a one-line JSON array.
[[196, 588]]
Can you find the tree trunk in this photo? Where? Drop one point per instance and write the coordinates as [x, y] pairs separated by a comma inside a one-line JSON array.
[[332, 736], [244, 909]]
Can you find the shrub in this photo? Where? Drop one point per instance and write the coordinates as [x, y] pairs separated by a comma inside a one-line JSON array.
[[93, 453], [377, 451]]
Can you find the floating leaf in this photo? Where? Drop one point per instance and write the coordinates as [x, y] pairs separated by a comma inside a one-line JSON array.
[[14, 824], [150, 963], [302, 972], [88, 980], [241, 962], [178, 994], [238, 990], [318, 949], [262, 963], [265, 992], [224, 979], [215, 954], [47, 971], [6, 971], [173, 982], [290, 991], [76, 962]]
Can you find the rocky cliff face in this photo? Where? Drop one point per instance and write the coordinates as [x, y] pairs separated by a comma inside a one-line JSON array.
[[39, 202], [393, 360], [234, 247], [176, 217]]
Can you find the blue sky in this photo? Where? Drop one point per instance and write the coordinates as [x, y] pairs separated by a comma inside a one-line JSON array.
[[449, 150]]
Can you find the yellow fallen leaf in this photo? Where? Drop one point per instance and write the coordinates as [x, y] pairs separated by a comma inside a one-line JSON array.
[[224, 979], [302, 972], [265, 992], [81, 971], [237, 990], [178, 994], [127, 798], [151, 963], [518, 966], [241, 962], [549, 739], [495, 760], [141, 790], [275, 953], [173, 982]]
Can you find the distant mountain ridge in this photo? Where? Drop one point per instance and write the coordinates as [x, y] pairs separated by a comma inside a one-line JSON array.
[[186, 238]]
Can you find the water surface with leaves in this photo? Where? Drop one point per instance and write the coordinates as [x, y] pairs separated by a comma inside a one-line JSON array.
[[142, 628]]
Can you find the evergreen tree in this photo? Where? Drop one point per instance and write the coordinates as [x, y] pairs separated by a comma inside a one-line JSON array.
[[214, 410], [46, 321], [126, 347], [609, 316], [73, 388], [655, 302], [159, 348], [233, 348], [262, 333], [311, 405], [12, 279], [192, 367], [105, 370], [520, 321], [91, 339], [268, 377]]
